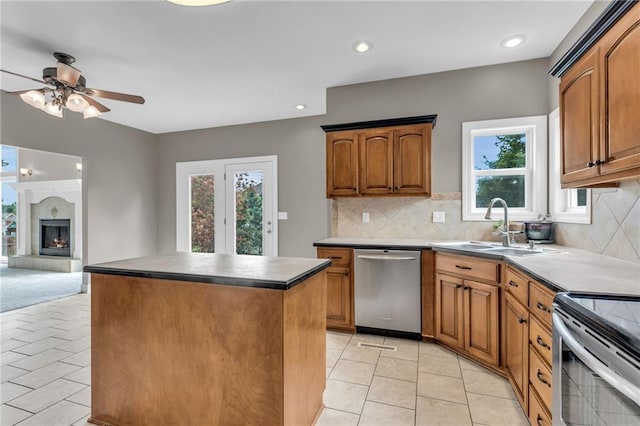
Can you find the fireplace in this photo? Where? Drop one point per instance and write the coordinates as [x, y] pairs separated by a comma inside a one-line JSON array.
[[55, 235]]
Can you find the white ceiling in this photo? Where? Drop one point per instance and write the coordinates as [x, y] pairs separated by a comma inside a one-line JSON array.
[[248, 61]]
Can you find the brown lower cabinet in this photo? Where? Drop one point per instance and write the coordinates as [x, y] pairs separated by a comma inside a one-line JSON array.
[[467, 317], [340, 309], [516, 362]]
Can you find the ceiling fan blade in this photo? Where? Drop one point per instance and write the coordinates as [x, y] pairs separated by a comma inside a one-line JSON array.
[[19, 92], [67, 74], [24, 76], [95, 103], [115, 96]]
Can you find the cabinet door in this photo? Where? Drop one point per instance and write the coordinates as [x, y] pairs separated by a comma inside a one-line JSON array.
[[342, 164], [376, 162], [620, 143], [481, 321], [579, 126], [412, 163], [339, 298], [449, 315], [517, 347]]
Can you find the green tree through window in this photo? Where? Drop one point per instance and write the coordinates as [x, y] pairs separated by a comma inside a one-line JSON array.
[[511, 154]]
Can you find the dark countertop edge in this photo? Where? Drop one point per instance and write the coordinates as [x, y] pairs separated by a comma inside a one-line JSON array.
[[210, 279], [613, 12], [372, 246], [420, 119], [621, 337]]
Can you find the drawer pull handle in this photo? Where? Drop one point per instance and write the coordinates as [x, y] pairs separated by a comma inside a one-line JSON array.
[[335, 257], [539, 420], [513, 283], [591, 164], [542, 379], [466, 268], [542, 343], [522, 320], [540, 306]]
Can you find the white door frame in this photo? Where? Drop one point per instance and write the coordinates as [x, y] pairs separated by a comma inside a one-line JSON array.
[[186, 169]]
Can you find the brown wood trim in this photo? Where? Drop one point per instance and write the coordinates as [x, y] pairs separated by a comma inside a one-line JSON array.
[[604, 181], [428, 294]]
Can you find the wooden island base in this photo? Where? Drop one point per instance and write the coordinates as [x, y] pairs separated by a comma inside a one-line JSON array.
[[181, 353]]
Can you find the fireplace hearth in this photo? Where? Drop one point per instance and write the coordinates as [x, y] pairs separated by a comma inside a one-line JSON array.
[[55, 235]]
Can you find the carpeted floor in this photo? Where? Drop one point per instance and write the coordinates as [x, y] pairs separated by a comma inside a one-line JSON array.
[[25, 287]]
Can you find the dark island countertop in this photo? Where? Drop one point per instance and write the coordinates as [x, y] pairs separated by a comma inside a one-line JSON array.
[[280, 273]]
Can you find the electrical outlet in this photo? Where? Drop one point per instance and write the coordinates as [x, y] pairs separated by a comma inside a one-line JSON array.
[[438, 217], [365, 217]]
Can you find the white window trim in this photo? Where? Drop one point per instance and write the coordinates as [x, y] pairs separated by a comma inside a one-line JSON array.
[[559, 204], [183, 201], [535, 172]]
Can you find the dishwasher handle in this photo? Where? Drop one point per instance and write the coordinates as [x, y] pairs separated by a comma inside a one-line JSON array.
[[384, 257]]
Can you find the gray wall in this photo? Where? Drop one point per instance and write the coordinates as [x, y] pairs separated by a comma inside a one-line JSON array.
[[498, 91], [508, 90], [119, 188], [299, 145]]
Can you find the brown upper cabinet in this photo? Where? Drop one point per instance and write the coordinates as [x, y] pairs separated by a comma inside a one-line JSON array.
[[378, 158], [600, 100]]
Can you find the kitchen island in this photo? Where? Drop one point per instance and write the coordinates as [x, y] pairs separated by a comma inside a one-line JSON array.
[[204, 339]]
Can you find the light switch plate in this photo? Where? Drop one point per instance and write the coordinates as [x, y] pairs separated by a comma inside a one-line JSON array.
[[438, 217], [365, 217], [282, 215]]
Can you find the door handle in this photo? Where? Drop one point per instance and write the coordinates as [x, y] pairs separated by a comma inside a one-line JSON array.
[[540, 306], [542, 343], [513, 283], [542, 379]]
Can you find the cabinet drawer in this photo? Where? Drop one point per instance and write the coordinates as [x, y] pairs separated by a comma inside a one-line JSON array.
[[540, 301], [540, 339], [469, 267], [538, 416], [517, 285], [540, 377], [339, 257]]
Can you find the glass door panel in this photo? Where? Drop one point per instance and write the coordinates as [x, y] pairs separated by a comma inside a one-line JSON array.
[[249, 203], [202, 213]]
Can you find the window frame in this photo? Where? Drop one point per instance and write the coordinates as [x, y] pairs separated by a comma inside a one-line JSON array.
[[561, 200], [535, 170]]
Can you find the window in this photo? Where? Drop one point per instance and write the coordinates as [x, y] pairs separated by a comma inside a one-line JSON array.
[[505, 158], [565, 205]]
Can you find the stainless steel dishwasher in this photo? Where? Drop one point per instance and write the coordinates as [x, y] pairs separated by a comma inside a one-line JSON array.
[[387, 290]]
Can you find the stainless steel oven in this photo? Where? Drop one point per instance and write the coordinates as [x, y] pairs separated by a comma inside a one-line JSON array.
[[596, 360]]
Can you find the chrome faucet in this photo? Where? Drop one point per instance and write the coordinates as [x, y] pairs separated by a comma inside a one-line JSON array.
[[506, 240]]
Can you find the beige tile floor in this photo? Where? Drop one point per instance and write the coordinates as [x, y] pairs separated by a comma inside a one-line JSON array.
[[46, 377]]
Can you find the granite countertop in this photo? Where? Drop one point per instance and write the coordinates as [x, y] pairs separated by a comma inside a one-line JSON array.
[[559, 267], [280, 273]]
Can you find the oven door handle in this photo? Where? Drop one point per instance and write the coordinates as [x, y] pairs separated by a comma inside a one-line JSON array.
[[618, 382]]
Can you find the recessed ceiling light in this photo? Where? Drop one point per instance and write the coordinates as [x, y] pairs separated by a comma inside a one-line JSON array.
[[197, 2], [514, 41], [300, 107], [362, 46]]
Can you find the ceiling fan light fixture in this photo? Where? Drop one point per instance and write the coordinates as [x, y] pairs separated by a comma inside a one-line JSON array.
[[77, 103], [198, 2], [91, 112], [35, 98], [53, 108]]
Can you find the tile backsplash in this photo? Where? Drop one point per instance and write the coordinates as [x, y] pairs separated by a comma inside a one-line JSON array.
[[615, 228], [615, 224]]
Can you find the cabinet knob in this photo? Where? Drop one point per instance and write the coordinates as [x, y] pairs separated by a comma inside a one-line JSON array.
[[591, 164], [459, 285], [346, 274], [539, 420], [522, 320]]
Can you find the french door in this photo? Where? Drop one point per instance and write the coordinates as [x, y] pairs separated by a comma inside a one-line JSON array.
[[227, 206]]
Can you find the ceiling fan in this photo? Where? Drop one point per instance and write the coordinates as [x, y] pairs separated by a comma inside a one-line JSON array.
[[67, 88]]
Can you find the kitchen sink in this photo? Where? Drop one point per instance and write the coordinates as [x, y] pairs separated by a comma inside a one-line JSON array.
[[513, 251], [471, 246]]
